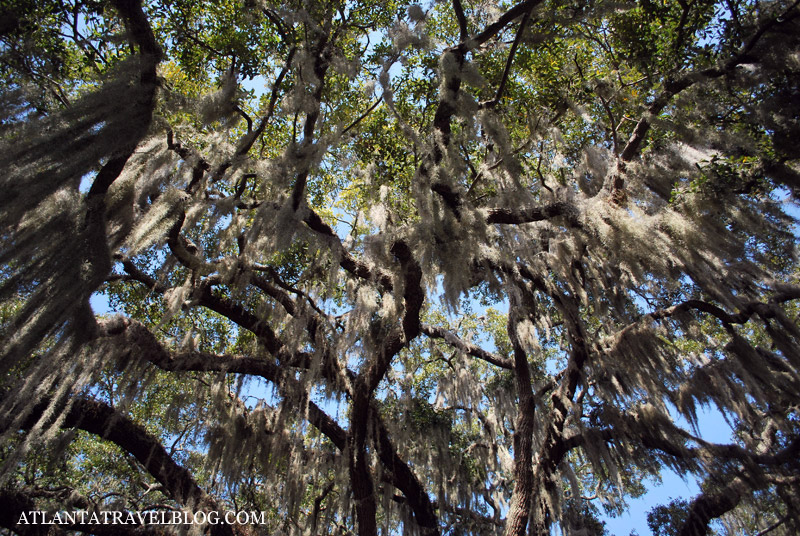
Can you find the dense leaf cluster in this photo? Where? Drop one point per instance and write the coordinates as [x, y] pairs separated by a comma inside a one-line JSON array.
[[450, 268]]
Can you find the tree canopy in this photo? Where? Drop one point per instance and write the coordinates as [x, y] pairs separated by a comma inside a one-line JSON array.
[[453, 268]]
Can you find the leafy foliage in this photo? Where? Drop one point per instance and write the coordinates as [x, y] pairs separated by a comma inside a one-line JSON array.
[[452, 268]]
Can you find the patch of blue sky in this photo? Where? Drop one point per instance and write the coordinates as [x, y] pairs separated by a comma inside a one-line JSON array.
[[672, 486], [790, 206], [712, 427]]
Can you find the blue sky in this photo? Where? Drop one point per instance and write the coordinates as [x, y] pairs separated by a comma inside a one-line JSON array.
[[712, 428]]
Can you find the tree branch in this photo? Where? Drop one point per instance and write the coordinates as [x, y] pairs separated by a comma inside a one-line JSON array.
[[135, 341], [346, 261], [673, 87], [462, 20], [522, 495], [496, 27], [367, 381], [546, 212], [712, 504], [470, 349], [404, 479], [104, 421], [510, 60]]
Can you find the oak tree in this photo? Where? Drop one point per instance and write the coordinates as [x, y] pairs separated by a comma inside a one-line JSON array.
[[452, 268]]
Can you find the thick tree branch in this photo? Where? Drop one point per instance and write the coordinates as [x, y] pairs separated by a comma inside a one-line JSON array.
[[496, 27], [150, 54], [322, 55], [522, 496], [546, 212], [470, 349], [104, 421], [507, 69], [367, 381], [462, 20], [712, 504], [135, 342], [672, 87], [446, 108], [347, 261], [228, 308], [404, 479]]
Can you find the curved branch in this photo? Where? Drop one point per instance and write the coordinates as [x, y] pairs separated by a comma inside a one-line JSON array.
[[666, 437], [673, 87], [766, 310], [711, 505], [346, 261], [104, 421], [496, 27], [135, 341], [470, 349]]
